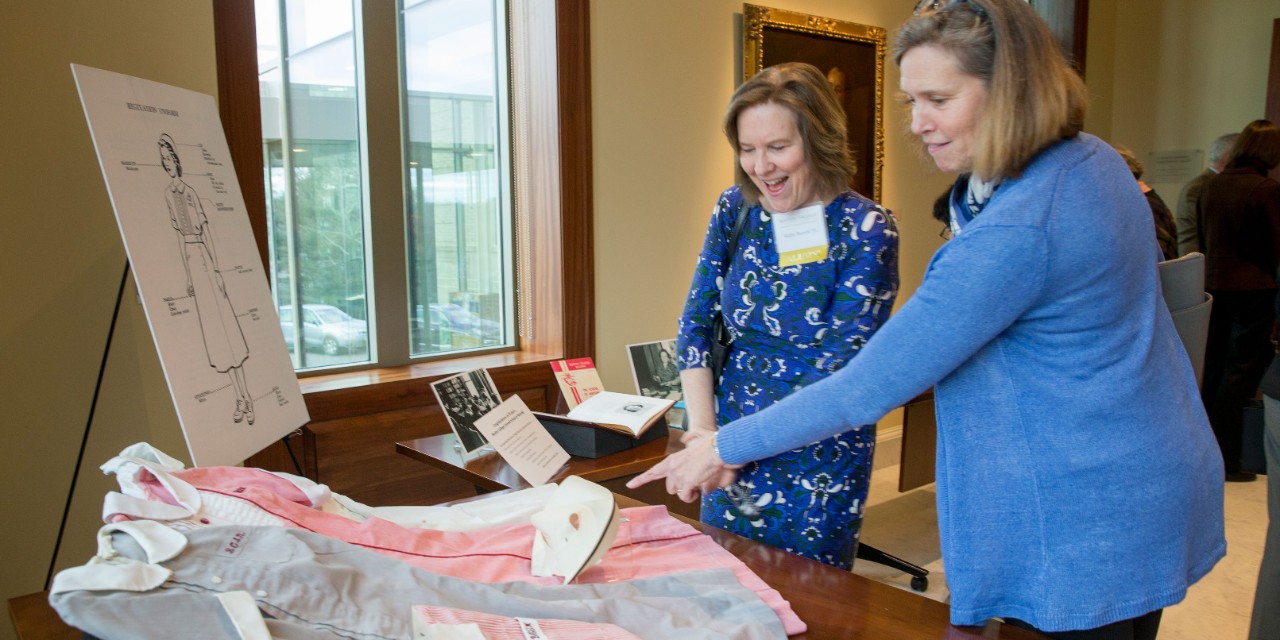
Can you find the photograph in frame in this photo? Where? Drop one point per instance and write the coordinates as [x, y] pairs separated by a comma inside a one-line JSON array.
[[464, 398], [852, 57], [653, 369]]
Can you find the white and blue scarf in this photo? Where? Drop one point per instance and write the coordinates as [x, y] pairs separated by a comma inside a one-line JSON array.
[[969, 196]]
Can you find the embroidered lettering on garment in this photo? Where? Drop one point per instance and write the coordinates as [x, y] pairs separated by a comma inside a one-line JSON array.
[[233, 544]]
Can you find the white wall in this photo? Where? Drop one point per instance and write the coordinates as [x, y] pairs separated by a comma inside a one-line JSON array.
[[662, 73], [61, 261], [1181, 72]]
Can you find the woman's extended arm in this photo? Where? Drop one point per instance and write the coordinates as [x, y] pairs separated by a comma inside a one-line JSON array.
[[693, 344], [699, 402], [987, 278]]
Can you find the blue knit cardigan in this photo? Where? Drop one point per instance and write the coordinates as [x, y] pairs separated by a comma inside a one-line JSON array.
[[1078, 481]]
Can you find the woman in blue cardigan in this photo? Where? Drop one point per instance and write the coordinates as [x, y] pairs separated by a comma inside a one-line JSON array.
[[1079, 484]]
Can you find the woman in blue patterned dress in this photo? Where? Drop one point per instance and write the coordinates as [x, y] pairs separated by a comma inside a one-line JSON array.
[[813, 276]]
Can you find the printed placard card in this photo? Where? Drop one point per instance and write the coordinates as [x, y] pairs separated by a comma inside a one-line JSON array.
[[801, 235], [522, 441]]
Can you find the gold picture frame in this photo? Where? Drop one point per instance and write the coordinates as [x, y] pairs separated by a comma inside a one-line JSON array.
[[854, 51]]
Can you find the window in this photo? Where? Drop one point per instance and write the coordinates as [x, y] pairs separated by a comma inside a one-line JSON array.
[[318, 77], [551, 56], [458, 209]]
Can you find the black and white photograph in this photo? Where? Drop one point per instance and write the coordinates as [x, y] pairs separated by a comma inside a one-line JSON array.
[[653, 368], [464, 398]]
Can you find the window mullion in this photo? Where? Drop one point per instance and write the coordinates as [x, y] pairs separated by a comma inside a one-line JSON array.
[[290, 197], [379, 55]]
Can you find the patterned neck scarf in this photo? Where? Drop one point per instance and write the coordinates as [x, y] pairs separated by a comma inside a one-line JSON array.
[[969, 196]]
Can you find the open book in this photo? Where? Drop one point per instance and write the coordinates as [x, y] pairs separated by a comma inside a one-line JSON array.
[[624, 412]]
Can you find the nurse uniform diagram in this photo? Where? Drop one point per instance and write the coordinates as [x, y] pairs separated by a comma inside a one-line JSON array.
[[224, 341]]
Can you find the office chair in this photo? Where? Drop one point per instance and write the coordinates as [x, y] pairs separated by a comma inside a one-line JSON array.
[[1182, 283], [919, 575]]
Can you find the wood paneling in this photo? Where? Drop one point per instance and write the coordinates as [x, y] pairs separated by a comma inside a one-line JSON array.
[[357, 460], [1069, 21], [573, 57], [352, 449], [238, 104], [1273, 75], [1273, 84], [34, 619], [919, 443]]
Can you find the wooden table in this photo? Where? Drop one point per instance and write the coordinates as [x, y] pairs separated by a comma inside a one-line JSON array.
[[34, 619], [837, 605], [489, 472]]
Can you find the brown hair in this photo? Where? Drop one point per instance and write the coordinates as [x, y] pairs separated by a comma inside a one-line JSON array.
[[804, 91], [1135, 165], [1034, 97], [1258, 147]]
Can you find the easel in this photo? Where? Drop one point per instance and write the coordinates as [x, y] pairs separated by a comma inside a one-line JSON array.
[[84, 437]]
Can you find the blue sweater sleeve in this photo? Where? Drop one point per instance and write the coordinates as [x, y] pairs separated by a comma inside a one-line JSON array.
[[977, 285]]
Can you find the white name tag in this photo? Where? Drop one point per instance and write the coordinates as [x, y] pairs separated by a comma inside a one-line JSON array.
[[801, 235]]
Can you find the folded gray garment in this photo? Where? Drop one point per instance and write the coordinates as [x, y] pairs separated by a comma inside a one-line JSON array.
[[311, 586]]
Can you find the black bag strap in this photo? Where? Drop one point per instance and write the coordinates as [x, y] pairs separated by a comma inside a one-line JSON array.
[[718, 331], [738, 224], [719, 334]]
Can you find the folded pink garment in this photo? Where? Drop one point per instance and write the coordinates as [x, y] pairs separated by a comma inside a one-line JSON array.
[[650, 542], [504, 628]]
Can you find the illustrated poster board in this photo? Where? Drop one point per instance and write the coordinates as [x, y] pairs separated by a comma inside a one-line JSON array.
[[186, 233]]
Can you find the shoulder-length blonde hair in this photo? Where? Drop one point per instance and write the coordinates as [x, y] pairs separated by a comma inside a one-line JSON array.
[[804, 91], [1034, 98]]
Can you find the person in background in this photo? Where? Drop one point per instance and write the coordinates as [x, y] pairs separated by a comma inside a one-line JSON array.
[[1265, 624], [814, 275], [1079, 489], [1238, 215], [1166, 230], [1188, 233]]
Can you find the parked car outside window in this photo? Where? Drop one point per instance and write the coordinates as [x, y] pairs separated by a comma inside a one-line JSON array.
[[449, 327], [326, 328]]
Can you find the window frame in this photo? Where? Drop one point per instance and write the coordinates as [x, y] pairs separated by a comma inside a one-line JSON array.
[[560, 319]]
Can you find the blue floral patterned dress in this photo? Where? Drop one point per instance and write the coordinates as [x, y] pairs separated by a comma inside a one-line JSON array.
[[791, 327]]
